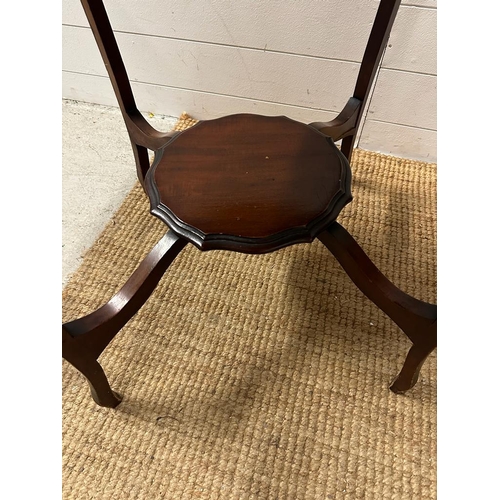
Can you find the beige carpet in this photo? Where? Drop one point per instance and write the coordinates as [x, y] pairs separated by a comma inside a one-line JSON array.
[[260, 377]]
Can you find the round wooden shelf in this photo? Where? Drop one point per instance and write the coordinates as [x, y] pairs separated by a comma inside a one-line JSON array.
[[249, 183]]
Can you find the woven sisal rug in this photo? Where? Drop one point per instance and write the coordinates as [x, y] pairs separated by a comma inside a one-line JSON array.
[[260, 377]]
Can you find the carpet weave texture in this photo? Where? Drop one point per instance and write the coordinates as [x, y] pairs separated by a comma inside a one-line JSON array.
[[260, 376]]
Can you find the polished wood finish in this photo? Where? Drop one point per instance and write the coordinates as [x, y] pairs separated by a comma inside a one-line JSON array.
[[249, 183], [245, 183], [417, 319], [86, 338], [142, 134], [345, 126]]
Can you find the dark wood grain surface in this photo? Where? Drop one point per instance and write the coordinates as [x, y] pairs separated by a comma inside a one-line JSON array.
[[416, 318], [247, 183], [250, 177]]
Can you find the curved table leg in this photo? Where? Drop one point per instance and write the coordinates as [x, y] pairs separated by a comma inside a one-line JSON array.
[[416, 318], [86, 338]]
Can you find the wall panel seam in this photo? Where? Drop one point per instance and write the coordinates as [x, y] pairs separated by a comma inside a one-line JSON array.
[[256, 49], [388, 68], [401, 124], [254, 99], [226, 45], [418, 6]]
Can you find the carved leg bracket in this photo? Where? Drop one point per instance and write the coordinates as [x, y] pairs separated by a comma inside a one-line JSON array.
[[86, 338], [416, 318]]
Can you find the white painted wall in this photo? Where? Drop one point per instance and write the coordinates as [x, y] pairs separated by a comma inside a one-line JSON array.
[[294, 57]]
